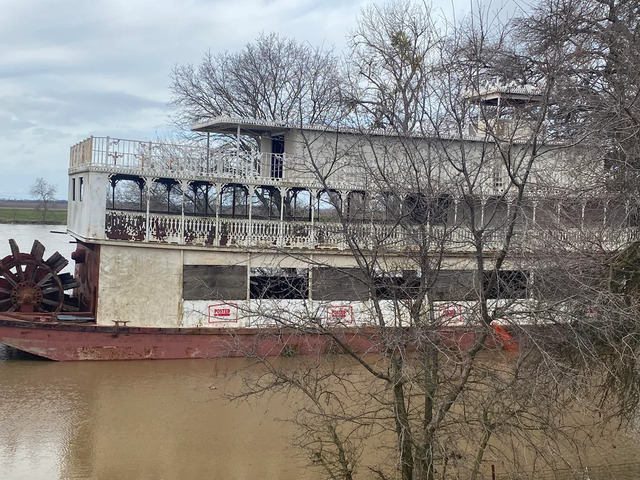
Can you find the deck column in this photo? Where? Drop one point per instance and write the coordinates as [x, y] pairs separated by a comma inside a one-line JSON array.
[[314, 205], [217, 197], [280, 241], [183, 186], [252, 189], [147, 187]]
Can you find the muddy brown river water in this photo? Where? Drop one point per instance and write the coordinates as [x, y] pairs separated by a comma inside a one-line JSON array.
[[133, 420], [138, 420]]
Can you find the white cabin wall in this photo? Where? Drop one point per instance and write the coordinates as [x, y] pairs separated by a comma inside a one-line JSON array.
[[574, 170], [140, 285], [86, 214], [412, 161]]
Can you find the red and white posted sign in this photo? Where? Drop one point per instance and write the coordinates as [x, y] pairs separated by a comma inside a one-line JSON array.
[[223, 312], [342, 314], [451, 313]]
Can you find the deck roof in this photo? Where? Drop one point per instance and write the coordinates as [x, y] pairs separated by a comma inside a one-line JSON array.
[[251, 126]]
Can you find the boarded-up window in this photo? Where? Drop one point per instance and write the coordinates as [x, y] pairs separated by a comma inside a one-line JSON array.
[[453, 285], [214, 282], [346, 284]]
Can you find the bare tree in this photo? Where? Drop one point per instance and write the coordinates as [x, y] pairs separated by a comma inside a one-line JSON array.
[[392, 52], [456, 250], [596, 47], [273, 78], [44, 192]]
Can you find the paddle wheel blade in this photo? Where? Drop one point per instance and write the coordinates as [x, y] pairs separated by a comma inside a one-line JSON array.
[[30, 284]]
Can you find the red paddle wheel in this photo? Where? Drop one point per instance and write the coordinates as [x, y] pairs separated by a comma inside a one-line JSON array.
[[28, 283]]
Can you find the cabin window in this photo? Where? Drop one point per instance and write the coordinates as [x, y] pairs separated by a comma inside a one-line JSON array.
[[498, 177], [399, 285], [452, 285], [81, 191], [73, 189], [277, 157], [279, 283], [214, 282]]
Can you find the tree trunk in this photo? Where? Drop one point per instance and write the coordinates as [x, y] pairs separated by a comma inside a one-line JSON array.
[[403, 427]]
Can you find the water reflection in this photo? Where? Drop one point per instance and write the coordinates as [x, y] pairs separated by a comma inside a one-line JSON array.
[[151, 420]]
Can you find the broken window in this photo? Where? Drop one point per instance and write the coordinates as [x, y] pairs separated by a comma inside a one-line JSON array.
[[399, 285], [214, 282], [279, 283], [506, 284]]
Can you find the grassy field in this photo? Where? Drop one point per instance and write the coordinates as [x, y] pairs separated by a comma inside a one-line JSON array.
[[32, 215]]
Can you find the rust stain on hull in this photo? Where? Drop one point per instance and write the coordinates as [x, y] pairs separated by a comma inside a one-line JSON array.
[[71, 342], [62, 341]]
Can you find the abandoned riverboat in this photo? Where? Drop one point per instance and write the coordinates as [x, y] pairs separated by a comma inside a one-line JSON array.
[[200, 252]]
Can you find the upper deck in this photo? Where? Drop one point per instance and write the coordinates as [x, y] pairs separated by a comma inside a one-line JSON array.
[[197, 163], [271, 185]]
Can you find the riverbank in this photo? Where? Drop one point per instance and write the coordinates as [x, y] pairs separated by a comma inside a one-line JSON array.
[[32, 216]]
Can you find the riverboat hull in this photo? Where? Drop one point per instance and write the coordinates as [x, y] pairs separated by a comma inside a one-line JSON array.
[[67, 341], [72, 341]]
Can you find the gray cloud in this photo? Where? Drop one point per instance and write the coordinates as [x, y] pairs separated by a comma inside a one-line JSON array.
[[74, 68]]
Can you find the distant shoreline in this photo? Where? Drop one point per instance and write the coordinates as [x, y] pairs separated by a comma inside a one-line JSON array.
[[25, 213], [30, 222]]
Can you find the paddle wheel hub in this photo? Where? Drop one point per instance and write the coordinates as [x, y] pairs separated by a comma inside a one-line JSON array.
[[26, 295]]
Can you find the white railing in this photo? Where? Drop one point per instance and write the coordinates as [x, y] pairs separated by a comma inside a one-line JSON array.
[[258, 233], [135, 155], [165, 228], [161, 159], [199, 230]]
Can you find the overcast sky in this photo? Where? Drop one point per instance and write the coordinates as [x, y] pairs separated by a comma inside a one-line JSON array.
[[70, 69]]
